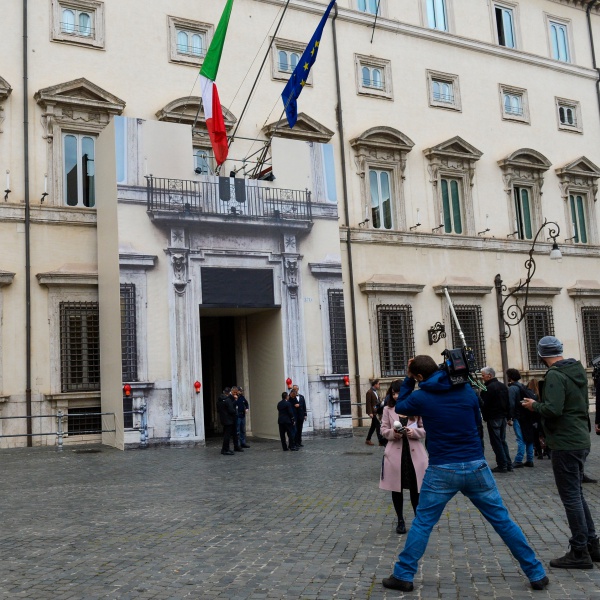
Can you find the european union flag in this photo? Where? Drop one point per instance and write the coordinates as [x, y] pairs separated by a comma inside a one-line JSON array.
[[299, 77]]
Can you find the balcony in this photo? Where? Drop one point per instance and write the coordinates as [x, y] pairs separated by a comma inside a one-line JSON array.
[[227, 200]]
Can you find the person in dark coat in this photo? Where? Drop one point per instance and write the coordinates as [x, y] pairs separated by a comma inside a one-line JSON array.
[[242, 409], [373, 403], [227, 410], [523, 420], [301, 415], [286, 422], [496, 413]]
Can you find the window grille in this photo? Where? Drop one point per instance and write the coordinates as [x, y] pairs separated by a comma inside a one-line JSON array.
[[539, 322], [345, 402], [396, 339], [337, 332], [471, 321], [590, 317], [84, 421], [127, 412], [128, 333], [79, 346]]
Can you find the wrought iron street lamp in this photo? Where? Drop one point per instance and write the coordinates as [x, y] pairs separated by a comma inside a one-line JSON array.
[[510, 312]]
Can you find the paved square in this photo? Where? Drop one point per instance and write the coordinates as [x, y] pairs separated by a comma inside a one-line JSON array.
[[189, 523]]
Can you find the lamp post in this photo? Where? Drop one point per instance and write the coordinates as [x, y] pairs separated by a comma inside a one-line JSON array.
[[510, 313]]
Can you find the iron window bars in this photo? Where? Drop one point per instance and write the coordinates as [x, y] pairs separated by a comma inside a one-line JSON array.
[[337, 332], [128, 333], [396, 338], [539, 322], [590, 319], [471, 320]]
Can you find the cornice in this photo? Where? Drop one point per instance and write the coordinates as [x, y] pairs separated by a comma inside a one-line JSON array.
[[390, 284], [49, 215], [69, 276], [133, 260], [326, 269], [578, 4], [6, 278], [589, 288], [462, 285], [537, 287], [448, 39]]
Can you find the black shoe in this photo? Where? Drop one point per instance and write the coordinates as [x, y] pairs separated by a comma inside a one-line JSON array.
[[245, 446], [499, 469], [573, 559], [529, 463], [393, 583], [401, 528], [518, 465], [594, 550], [285, 449], [587, 479], [226, 452], [294, 449], [510, 468], [540, 584], [300, 445], [238, 449]]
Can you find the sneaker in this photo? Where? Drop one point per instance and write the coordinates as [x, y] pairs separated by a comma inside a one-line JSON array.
[[587, 479], [594, 550], [393, 583], [573, 559], [401, 527], [499, 469], [540, 584], [369, 443], [518, 465]]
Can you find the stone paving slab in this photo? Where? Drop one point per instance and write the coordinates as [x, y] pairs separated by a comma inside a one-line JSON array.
[[173, 524]]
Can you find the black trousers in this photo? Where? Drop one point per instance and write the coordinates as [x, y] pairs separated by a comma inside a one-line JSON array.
[[375, 427], [299, 426], [229, 432], [286, 428], [497, 433]]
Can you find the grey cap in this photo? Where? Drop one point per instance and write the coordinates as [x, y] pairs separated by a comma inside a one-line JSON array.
[[550, 346]]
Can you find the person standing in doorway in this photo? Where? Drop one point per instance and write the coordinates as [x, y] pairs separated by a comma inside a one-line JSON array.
[[564, 407], [301, 415], [496, 413], [227, 411], [285, 421], [372, 407], [242, 410]]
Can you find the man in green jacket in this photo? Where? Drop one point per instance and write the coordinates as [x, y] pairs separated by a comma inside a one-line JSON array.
[[564, 408]]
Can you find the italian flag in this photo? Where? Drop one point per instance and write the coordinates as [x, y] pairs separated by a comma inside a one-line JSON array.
[[210, 96]]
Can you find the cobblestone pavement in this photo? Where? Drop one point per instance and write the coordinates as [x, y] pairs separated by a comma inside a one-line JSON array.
[[189, 523]]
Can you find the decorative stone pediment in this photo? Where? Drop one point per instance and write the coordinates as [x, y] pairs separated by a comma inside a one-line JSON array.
[[525, 158], [70, 275], [537, 287], [454, 148], [189, 110], [306, 129], [581, 174], [78, 103], [465, 286], [383, 137], [585, 287], [390, 284]]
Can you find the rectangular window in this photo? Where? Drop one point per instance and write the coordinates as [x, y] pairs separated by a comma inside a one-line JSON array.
[[79, 171], [567, 115], [513, 104], [396, 339], [345, 402], [443, 91], [77, 22], [191, 43], [559, 41], [84, 421], [381, 200], [471, 322], [287, 61], [505, 26], [79, 346], [437, 15], [329, 172], [204, 161], [373, 77], [128, 333], [523, 226], [539, 322], [577, 206], [337, 332], [369, 6], [121, 148], [590, 318], [451, 205]]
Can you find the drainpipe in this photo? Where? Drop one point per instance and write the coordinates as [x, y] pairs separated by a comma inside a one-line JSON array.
[[588, 12], [340, 124], [27, 231]]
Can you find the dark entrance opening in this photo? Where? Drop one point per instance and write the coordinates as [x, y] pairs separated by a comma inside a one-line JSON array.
[[218, 365]]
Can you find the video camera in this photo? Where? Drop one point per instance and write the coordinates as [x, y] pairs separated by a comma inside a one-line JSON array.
[[458, 364]]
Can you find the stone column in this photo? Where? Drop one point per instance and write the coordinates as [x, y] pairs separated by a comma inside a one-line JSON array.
[[183, 426]]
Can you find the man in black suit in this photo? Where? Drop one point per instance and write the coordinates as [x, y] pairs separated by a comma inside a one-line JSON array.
[[286, 422], [300, 410], [226, 407]]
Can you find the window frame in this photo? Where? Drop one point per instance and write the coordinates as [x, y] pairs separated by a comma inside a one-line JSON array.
[[592, 309], [80, 177], [337, 359], [380, 205], [382, 7], [514, 9], [210, 161], [449, 78], [95, 8], [521, 227], [129, 349], [459, 180], [575, 216], [426, 21], [534, 362], [573, 105], [510, 116], [408, 346], [566, 23], [189, 26], [288, 46], [370, 62], [479, 347]]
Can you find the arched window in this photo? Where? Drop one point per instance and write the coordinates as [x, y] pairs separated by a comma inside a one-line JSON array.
[[85, 24], [182, 42], [366, 76], [294, 58], [68, 21], [377, 79], [197, 49], [283, 61]]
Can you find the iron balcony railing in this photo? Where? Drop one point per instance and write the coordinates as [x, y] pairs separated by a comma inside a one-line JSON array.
[[227, 197]]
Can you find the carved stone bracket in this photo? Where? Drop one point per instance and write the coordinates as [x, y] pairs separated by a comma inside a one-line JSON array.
[[179, 261], [291, 275]]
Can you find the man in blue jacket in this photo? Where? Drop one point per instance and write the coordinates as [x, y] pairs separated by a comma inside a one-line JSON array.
[[456, 464]]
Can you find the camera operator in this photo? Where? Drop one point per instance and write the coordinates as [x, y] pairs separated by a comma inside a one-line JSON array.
[[456, 464]]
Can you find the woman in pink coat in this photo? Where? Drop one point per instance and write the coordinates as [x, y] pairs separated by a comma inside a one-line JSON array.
[[405, 458]]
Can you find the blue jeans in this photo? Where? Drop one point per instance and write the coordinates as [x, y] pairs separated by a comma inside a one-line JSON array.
[[476, 482], [522, 446], [568, 474], [241, 430]]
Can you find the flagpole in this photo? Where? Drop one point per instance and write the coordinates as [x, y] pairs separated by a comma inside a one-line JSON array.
[[375, 21]]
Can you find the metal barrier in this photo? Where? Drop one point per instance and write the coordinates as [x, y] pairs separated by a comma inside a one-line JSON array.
[[61, 416]]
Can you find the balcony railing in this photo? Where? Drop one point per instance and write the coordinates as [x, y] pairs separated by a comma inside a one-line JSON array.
[[227, 197]]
